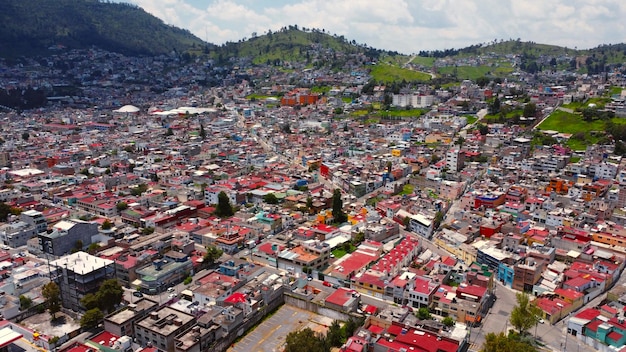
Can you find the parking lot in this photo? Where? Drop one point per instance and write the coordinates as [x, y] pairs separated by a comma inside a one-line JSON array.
[[270, 335]]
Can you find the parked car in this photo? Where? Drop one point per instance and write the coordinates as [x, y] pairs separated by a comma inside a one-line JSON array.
[[327, 284], [137, 294]]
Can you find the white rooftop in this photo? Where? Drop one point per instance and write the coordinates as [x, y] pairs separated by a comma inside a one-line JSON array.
[[81, 263], [64, 225], [26, 172]]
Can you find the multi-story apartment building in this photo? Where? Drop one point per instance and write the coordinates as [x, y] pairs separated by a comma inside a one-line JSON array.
[[79, 274], [527, 274], [67, 235], [160, 328]]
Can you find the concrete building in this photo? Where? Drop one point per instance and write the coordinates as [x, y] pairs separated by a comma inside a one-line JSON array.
[[160, 328], [67, 235], [79, 274], [173, 268], [527, 274], [123, 321]]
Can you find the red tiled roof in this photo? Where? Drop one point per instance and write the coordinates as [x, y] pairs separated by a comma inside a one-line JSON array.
[[614, 335], [588, 314], [375, 329], [236, 297], [340, 297]]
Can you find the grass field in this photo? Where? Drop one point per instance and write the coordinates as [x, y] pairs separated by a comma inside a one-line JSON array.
[[565, 122], [471, 119], [570, 123], [407, 189], [400, 113], [387, 74], [389, 113], [494, 118], [473, 72]]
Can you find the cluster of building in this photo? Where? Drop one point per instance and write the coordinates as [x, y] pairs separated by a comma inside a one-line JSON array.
[[131, 193]]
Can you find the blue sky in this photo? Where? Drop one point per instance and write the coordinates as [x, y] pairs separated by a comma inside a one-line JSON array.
[[406, 26]]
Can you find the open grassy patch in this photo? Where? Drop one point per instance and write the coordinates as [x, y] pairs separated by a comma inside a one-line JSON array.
[[407, 189], [615, 90], [320, 89], [401, 113], [424, 61], [471, 119], [359, 113], [339, 252], [570, 123], [584, 133], [473, 72], [387, 74], [509, 115]]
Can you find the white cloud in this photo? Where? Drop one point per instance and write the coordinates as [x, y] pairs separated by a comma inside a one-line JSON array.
[[404, 25]]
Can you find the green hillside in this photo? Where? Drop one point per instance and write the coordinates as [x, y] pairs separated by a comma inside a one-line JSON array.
[[31, 26], [292, 44]]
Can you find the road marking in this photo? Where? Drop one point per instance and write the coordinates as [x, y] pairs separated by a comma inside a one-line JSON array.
[[267, 335]]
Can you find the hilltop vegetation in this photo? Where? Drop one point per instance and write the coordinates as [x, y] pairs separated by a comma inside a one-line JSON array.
[[31, 26], [292, 44]]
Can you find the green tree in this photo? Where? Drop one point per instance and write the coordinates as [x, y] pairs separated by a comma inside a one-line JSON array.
[[93, 248], [338, 214], [494, 107], [305, 340], [359, 237], [270, 198], [423, 313], [212, 255], [25, 136], [483, 129], [505, 343], [90, 301], [52, 294], [121, 206], [482, 81], [25, 302], [137, 191], [110, 294], [349, 328], [188, 280], [438, 219], [5, 210], [524, 315], [107, 225], [448, 321], [91, 318], [224, 208], [309, 202], [530, 110], [334, 335]]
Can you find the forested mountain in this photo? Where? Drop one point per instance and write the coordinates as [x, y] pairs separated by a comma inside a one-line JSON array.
[[30, 27]]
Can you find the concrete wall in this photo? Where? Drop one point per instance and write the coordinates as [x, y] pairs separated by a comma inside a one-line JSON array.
[[318, 308]]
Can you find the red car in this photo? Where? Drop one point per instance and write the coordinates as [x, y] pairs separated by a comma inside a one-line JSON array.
[[326, 283]]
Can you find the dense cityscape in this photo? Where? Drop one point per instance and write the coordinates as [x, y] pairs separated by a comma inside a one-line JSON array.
[[178, 203]]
